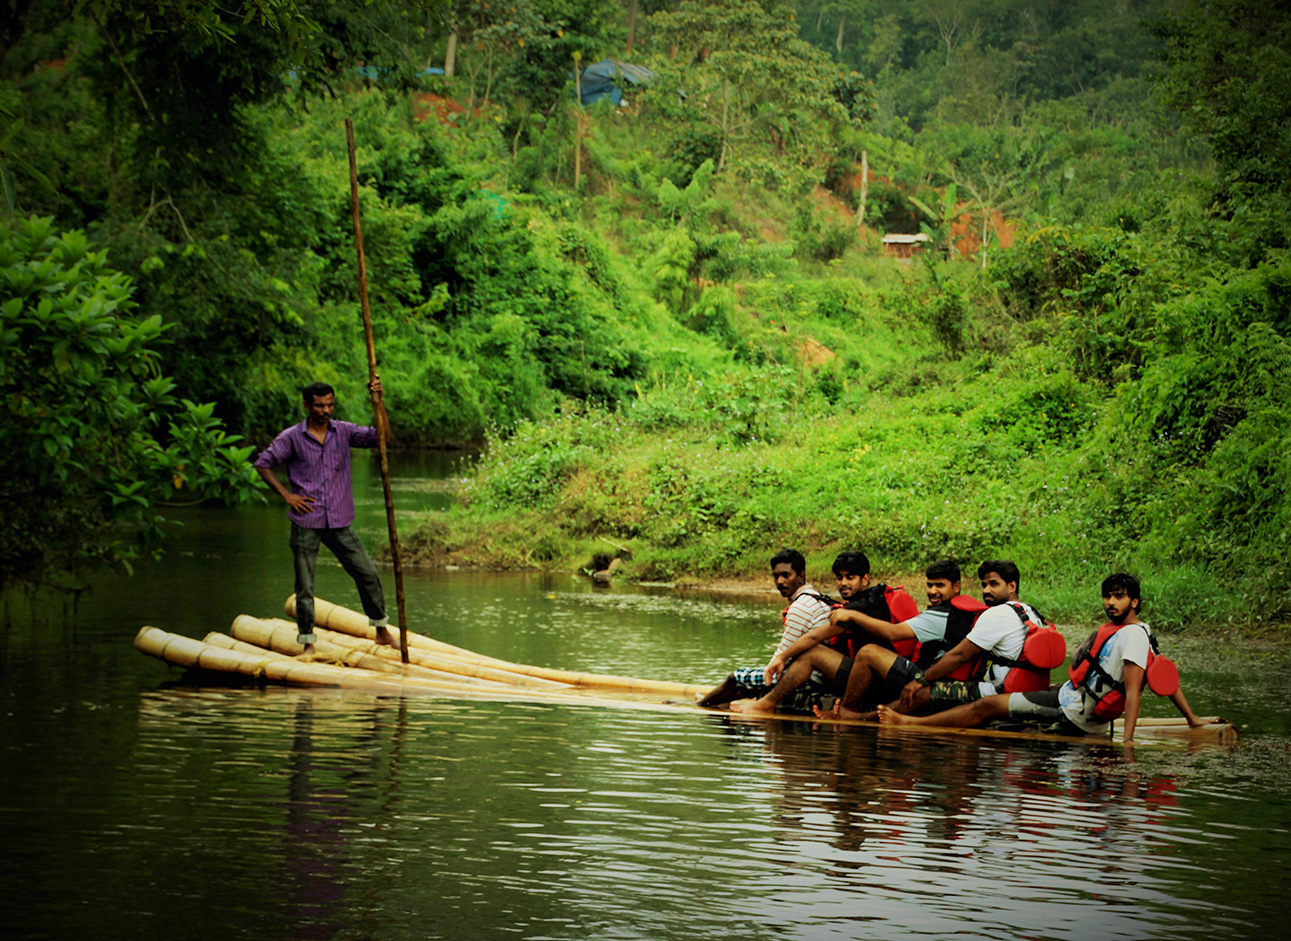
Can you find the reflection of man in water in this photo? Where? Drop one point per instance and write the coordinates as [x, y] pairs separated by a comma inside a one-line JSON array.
[[321, 502]]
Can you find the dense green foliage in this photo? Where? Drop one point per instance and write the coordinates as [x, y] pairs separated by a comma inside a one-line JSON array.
[[664, 320], [93, 434]]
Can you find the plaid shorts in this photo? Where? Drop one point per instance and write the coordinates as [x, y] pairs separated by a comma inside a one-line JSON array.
[[814, 692]]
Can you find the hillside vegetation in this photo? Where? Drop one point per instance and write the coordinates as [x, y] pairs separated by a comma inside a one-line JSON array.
[[663, 321]]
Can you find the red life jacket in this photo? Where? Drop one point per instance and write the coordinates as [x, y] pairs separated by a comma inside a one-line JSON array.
[[1042, 649], [900, 607], [1161, 674]]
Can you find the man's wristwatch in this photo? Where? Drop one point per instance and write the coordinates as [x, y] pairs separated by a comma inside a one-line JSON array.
[[920, 678]]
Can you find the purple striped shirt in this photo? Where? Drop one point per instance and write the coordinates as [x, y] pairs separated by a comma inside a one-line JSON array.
[[321, 471]]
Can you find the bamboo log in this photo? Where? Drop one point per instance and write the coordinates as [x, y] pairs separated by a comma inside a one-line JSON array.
[[350, 622], [276, 668], [280, 636]]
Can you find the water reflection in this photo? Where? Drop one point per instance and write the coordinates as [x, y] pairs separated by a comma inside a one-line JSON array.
[[969, 837], [324, 785], [238, 812]]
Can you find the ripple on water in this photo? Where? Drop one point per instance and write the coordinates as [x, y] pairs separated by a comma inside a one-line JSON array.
[[359, 816]]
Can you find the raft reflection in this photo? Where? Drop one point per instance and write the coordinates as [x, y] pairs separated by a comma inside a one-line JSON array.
[[933, 834]]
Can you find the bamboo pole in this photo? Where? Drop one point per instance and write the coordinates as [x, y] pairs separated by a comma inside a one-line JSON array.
[[382, 429], [348, 649], [351, 622], [275, 635], [273, 668]]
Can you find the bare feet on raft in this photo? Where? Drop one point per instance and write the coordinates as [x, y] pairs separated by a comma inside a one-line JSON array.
[[385, 637], [752, 707], [889, 716], [836, 711]]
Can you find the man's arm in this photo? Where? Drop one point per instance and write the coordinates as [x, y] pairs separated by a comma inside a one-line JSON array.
[[299, 503], [950, 661], [872, 625], [800, 646], [1133, 680]]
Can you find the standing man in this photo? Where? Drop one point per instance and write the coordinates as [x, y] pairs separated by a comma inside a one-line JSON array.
[[321, 502]]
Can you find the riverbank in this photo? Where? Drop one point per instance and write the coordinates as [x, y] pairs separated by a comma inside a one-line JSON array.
[[957, 471]]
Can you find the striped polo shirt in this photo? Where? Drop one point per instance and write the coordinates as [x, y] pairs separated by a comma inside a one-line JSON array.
[[320, 470]]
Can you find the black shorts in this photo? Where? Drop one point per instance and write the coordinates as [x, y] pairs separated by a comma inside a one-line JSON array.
[[884, 691]]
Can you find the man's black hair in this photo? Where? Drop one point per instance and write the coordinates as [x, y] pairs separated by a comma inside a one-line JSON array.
[[1126, 583], [853, 562], [316, 390], [943, 568], [793, 557], [1004, 568]]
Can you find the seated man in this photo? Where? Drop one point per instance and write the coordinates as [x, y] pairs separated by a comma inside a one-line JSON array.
[[869, 623], [1107, 678], [806, 611], [879, 671], [981, 663]]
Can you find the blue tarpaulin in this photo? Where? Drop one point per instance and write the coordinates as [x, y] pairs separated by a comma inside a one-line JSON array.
[[607, 78]]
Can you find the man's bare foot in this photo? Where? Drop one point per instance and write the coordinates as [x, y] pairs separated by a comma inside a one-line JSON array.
[[889, 716], [308, 651], [385, 637], [752, 707], [727, 691], [830, 713]]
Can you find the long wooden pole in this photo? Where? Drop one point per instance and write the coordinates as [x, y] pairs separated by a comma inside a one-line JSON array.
[[382, 430]]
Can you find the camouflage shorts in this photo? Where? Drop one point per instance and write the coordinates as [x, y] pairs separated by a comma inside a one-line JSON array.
[[948, 693]]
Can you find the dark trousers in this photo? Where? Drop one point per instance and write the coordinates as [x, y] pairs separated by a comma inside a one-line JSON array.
[[347, 548]]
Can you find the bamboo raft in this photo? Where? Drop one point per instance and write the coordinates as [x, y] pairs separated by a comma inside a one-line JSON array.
[[347, 656]]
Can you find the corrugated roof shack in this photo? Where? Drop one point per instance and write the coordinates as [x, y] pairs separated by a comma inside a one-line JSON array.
[[903, 247]]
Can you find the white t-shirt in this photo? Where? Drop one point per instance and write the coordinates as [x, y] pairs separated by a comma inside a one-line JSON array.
[[806, 612], [1129, 644], [1000, 631]]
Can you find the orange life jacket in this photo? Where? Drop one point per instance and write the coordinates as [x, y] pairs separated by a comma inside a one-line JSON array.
[[1161, 674]]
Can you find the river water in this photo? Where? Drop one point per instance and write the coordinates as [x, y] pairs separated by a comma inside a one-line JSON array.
[[135, 805]]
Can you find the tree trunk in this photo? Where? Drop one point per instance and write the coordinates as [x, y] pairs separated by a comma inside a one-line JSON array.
[[726, 106], [450, 57], [838, 43], [632, 24], [865, 187], [578, 123]]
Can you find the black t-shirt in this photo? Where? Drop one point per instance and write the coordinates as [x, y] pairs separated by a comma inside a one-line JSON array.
[[873, 602]]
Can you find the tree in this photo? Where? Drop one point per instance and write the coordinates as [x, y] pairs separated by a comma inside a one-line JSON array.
[[94, 438], [1230, 78], [746, 73]]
